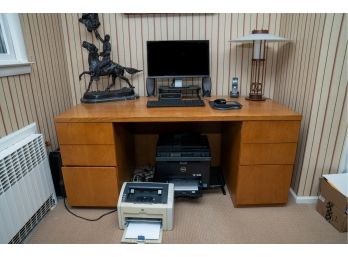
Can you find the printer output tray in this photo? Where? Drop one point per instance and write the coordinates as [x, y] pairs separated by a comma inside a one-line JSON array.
[[142, 231]]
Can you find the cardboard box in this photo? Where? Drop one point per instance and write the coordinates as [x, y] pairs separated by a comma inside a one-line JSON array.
[[333, 201]]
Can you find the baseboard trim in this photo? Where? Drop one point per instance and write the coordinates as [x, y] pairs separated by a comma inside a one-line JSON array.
[[303, 199]]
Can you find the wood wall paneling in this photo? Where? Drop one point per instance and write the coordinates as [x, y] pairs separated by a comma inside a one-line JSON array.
[[40, 43], [68, 58], [45, 92], [272, 57], [32, 79], [336, 112], [309, 80], [331, 84], [10, 118], [320, 100], [306, 100]]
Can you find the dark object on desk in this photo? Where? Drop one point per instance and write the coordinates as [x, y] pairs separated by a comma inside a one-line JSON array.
[[222, 104], [124, 93], [175, 103], [179, 59], [185, 91], [220, 101], [104, 67], [234, 90], [206, 87], [177, 97], [97, 68], [150, 87]]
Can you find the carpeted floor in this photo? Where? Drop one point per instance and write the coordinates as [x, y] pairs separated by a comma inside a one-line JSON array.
[[210, 219]]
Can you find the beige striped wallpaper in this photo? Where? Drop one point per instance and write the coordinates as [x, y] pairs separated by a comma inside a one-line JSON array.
[[44, 93], [129, 33], [308, 75], [312, 79]]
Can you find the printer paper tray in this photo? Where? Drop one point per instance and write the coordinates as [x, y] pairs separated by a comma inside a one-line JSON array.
[[142, 232]]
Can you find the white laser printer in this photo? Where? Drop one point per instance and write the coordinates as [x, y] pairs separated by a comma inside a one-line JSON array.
[[144, 210]]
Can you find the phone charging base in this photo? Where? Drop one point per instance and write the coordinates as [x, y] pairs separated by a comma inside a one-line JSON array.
[[234, 95]]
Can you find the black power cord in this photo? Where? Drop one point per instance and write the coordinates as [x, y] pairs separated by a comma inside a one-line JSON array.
[[144, 175], [107, 213]]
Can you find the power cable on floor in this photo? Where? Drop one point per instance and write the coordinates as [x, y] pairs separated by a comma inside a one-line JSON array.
[[107, 213]]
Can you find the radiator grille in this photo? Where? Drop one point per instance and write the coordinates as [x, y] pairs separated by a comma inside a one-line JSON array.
[[26, 188], [20, 163], [33, 221]]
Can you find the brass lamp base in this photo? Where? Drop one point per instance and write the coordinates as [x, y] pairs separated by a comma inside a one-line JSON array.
[[255, 97]]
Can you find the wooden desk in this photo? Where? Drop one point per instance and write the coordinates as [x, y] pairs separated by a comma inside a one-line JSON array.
[[101, 144]]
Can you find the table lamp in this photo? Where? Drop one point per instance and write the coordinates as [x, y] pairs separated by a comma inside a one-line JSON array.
[[258, 61]]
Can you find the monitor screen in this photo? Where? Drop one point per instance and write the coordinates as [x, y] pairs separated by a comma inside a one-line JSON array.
[[182, 58]]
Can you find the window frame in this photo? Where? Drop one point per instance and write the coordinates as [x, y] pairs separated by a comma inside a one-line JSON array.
[[15, 61]]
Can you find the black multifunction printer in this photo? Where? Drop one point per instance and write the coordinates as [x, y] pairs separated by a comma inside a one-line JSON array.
[[183, 159]]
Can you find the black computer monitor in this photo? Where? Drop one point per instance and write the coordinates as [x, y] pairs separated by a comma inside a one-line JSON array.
[[178, 58]]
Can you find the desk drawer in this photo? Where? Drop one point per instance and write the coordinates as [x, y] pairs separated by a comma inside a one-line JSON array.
[[85, 133], [91, 186], [251, 154], [88, 155], [270, 131], [263, 184]]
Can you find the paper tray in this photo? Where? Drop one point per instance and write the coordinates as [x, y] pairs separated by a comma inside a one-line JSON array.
[[142, 232]]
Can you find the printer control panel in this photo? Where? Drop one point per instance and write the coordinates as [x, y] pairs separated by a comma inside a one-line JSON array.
[[145, 193]]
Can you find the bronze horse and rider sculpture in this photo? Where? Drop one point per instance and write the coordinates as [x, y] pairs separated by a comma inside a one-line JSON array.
[[104, 67], [96, 68]]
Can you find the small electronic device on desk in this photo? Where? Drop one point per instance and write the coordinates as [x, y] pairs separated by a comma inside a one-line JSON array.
[[144, 209], [223, 104], [178, 97], [234, 90]]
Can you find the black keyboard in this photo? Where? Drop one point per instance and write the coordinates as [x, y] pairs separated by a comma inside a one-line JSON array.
[[175, 103]]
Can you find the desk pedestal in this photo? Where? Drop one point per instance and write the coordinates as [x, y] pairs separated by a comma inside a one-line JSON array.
[[258, 158]]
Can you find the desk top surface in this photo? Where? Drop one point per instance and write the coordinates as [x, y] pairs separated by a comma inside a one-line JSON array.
[[136, 111]]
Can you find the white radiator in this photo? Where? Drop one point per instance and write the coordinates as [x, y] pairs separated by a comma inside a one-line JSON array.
[[26, 188]]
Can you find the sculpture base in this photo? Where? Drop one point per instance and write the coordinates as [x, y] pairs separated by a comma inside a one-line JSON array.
[[124, 93]]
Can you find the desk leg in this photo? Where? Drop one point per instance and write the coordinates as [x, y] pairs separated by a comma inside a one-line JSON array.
[[230, 146], [124, 143]]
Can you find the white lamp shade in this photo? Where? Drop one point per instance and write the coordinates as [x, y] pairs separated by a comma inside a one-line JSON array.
[[258, 37]]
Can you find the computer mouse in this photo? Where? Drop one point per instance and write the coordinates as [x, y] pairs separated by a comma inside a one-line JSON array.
[[220, 101]]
